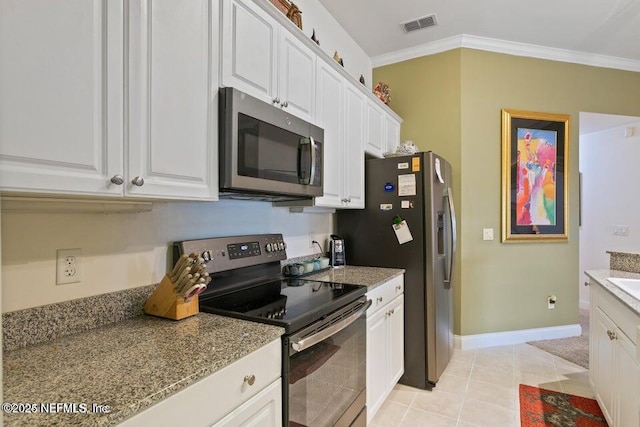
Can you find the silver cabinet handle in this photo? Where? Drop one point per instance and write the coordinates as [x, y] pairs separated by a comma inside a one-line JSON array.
[[250, 379], [117, 180], [138, 180], [379, 299], [344, 200], [276, 101], [398, 288], [285, 104], [390, 312], [612, 335]]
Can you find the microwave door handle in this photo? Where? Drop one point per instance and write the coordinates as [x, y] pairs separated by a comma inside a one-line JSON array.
[[312, 167]]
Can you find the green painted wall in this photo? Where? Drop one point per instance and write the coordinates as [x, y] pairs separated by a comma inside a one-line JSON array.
[[503, 287], [425, 92]]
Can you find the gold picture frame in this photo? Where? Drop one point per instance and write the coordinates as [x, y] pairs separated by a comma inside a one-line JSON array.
[[535, 176]]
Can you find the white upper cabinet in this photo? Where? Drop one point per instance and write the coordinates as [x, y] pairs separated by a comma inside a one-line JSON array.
[[76, 118], [172, 99], [375, 129], [354, 148], [61, 100], [330, 117], [392, 132], [266, 61]]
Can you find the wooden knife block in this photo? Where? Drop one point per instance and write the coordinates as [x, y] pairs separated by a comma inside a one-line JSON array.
[[164, 302]]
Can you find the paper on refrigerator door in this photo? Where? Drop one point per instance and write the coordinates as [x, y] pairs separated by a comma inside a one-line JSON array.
[[407, 185], [402, 232]]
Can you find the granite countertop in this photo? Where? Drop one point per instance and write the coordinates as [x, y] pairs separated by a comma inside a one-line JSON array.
[[600, 276], [371, 277], [128, 365]]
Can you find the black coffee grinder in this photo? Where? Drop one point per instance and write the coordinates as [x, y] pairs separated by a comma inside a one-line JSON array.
[[336, 250]]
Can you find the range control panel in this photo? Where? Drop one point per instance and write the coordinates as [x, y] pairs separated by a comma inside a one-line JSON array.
[[229, 253]]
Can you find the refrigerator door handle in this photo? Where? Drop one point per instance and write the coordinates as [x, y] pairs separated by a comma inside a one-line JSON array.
[[452, 247]]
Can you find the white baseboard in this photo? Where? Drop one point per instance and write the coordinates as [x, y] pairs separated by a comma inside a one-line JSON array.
[[469, 342]]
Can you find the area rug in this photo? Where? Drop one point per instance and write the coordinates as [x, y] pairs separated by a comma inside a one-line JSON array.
[[573, 349], [541, 408]]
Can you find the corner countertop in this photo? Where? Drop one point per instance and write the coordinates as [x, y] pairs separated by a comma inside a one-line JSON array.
[[600, 276], [371, 277], [128, 365]]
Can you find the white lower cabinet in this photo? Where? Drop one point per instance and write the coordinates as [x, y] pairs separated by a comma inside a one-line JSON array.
[[614, 365], [385, 342], [248, 392]]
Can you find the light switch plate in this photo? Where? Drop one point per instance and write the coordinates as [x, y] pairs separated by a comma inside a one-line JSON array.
[[487, 234]]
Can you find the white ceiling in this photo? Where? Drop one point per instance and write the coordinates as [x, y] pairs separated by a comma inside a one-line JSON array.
[[596, 27], [594, 122]]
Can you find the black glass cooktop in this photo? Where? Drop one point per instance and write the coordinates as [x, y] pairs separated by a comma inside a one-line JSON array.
[[290, 303]]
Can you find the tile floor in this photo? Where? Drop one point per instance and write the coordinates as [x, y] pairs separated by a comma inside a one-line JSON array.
[[480, 388]]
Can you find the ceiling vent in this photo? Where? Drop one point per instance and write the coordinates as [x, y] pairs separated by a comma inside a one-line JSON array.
[[420, 23]]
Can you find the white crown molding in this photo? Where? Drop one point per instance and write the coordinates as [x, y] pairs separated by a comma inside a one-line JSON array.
[[509, 48]]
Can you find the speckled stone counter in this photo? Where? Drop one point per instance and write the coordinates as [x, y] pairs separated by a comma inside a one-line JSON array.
[[624, 261], [128, 365], [371, 277], [600, 276]]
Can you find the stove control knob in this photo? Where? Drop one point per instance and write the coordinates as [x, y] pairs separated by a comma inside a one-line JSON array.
[[206, 255], [268, 247], [281, 246]]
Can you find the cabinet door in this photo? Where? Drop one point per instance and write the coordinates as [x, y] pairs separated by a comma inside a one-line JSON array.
[[377, 361], [354, 147], [262, 410], [249, 49], [376, 137], [604, 365], [61, 96], [627, 386], [392, 129], [396, 341], [172, 138], [297, 71], [329, 116]]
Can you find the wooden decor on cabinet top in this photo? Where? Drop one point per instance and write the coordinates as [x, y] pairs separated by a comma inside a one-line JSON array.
[[292, 11]]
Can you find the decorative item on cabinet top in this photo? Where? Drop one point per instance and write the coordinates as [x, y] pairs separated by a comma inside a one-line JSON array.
[[337, 58], [315, 38], [383, 92], [292, 11]]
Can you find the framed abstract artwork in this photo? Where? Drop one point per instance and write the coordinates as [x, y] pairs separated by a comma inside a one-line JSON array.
[[535, 172]]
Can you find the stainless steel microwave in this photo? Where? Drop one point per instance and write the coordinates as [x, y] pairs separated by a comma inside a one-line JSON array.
[[265, 152]]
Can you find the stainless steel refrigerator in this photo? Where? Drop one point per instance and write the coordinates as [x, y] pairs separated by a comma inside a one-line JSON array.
[[409, 222]]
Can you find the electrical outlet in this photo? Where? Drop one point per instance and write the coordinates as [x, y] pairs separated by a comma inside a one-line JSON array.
[[487, 234], [551, 302], [316, 237], [68, 266]]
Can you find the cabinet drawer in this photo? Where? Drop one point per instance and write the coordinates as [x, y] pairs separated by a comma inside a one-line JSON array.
[[211, 398], [622, 316], [384, 293]]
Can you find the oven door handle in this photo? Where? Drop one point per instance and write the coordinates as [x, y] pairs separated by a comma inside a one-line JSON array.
[[312, 340]]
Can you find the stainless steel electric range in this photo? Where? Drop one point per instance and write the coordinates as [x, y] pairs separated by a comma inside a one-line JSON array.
[[324, 345]]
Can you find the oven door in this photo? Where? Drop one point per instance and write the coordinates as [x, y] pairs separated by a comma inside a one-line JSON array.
[[324, 377]]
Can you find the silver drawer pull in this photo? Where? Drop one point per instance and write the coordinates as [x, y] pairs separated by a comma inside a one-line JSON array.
[[379, 299], [250, 379], [398, 288], [138, 181], [117, 180], [612, 335]]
